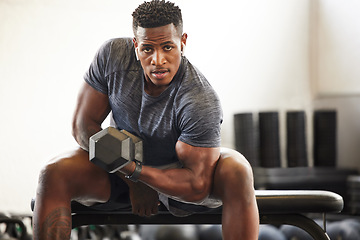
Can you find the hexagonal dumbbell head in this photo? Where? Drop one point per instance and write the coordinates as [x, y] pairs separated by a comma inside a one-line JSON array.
[[111, 149]]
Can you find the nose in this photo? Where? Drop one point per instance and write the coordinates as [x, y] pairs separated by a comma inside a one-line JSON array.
[[158, 58]]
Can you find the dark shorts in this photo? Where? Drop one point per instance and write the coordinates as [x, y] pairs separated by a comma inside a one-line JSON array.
[[120, 200]]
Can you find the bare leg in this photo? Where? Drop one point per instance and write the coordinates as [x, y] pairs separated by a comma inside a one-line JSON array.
[[68, 177], [233, 184]]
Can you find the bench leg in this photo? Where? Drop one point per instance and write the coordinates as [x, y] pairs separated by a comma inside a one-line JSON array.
[[297, 220]]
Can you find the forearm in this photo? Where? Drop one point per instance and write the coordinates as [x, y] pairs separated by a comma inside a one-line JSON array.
[[179, 182]]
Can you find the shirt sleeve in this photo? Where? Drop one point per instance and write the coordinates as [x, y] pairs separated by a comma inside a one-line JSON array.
[[200, 118], [95, 76]]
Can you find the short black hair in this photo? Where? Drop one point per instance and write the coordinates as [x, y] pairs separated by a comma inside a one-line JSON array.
[[157, 13]]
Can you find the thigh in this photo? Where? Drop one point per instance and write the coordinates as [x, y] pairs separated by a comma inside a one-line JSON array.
[[74, 174]]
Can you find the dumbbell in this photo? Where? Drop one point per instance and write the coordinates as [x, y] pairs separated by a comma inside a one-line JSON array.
[[112, 149]]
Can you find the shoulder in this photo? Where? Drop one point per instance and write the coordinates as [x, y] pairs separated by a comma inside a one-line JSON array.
[[195, 88], [197, 103], [118, 54], [117, 47], [117, 44]]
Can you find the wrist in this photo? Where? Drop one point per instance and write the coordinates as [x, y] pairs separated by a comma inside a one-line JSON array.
[[135, 174], [128, 169]]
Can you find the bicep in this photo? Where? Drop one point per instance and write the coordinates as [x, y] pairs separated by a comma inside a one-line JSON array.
[[92, 104], [91, 110], [199, 161]]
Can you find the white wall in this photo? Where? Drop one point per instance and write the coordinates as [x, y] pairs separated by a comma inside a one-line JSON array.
[[336, 76], [338, 47], [256, 54]]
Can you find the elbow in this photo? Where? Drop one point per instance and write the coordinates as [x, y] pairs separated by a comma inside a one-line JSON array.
[[78, 132], [75, 128], [200, 189]]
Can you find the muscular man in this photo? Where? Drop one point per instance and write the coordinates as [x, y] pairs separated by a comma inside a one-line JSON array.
[[154, 92]]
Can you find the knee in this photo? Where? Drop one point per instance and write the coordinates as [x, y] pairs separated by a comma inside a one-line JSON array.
[[53, 172], [234, 179], [235, 167], [65, 168]]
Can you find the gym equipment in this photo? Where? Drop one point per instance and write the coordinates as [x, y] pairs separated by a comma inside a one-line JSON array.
[[15, 228], [353, 194], [325, 146], [147, 232], [296, 139], [246, 137], [275, 207], [128, 235], [176, 232], [305, 178], [269, 139], [112, 149], [348, 229], [270, 232], [293, 232], [211, 232]]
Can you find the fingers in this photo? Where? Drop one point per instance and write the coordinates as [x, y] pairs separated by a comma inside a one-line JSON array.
[[147, 211], [155, 209]]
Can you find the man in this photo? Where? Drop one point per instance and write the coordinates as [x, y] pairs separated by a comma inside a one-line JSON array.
[[154, 92]]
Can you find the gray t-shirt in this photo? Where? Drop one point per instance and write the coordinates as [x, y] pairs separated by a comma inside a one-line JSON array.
[[188, 110]]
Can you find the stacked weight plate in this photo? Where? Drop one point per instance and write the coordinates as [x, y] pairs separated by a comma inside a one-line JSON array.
[[296, 139], [325, 152], [269, 139], [353, 190], [246, 137]]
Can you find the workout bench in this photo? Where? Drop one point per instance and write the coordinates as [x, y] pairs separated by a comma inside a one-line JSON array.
[[288, 207]]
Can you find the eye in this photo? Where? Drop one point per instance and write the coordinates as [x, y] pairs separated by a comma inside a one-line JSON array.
[[146, 49], [168, 48]]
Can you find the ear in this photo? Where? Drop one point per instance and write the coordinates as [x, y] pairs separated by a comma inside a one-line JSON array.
[[135, 42], [183, 41], [136, 49]]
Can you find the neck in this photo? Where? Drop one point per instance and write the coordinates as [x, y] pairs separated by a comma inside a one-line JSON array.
[[152, 89]]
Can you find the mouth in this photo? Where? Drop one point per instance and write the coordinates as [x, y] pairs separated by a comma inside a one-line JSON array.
[[159, 73]]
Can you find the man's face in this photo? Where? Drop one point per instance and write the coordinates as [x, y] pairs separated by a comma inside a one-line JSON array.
[[159, 51]]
